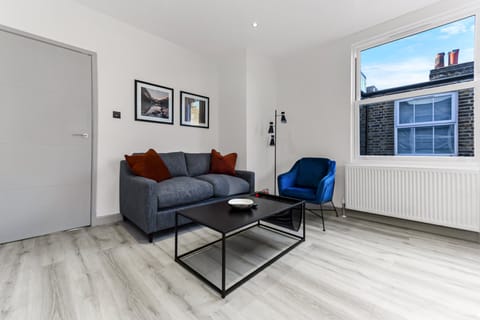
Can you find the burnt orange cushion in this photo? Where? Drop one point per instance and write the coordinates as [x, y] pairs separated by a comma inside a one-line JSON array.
[[223, 164], [148, 165]]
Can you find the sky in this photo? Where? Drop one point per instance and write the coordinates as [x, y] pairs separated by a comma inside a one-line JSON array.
[[409, 60]]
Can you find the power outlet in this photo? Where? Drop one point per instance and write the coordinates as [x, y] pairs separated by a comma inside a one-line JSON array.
[[117, 114]]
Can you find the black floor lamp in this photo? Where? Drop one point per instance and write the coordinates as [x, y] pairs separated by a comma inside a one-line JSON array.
[[272, 130]]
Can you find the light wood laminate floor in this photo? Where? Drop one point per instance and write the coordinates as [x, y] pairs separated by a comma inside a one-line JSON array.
[[354, 270]]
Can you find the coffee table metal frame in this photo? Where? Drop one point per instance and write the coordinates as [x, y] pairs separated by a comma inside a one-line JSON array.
[[224, 290]]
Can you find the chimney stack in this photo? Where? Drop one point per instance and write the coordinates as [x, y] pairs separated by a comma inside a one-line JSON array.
[[439, 60], [453, 57]]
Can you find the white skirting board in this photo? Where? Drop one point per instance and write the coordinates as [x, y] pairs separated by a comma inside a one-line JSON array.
[[108, 219], [442, 196]]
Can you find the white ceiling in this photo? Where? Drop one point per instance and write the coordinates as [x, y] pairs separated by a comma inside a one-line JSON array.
[[215, 26]]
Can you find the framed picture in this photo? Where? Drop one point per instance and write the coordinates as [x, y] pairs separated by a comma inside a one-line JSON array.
[[194, 110], [153, 103]]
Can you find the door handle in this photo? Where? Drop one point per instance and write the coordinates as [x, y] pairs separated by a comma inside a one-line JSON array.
[[83, 135]]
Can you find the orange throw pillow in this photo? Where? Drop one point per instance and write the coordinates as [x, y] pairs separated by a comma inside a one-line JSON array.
[[223, 164], [149, 165]]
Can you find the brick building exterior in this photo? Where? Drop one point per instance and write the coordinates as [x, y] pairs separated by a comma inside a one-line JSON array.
[[466, 146], [377, 120], [452, 71], [377, 123]]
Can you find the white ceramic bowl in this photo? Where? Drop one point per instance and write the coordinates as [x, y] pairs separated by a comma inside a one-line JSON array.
[[240, 203]]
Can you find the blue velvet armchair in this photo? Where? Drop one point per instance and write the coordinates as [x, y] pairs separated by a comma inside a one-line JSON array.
[[312, 180]]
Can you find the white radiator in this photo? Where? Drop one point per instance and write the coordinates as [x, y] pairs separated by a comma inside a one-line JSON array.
[[447, 197]]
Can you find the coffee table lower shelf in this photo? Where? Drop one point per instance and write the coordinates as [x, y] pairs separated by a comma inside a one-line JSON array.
[[223, 290]]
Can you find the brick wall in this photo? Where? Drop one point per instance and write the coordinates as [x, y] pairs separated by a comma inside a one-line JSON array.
[[452, 71], [465, 123], [377, 126], [377, 129]]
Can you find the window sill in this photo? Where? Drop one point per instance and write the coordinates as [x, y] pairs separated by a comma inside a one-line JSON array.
[[471, 163]]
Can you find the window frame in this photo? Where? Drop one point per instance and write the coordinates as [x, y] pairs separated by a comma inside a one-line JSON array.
[[453, 121], [405, 30]]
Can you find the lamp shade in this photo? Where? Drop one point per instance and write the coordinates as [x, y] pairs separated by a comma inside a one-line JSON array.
[[270, 128], [272, 140]]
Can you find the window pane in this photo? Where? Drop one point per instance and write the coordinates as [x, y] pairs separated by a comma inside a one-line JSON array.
[[405, 111], [420, 60], [423, 110], [444, 139], [405, 140], [443, 108], [424, 140]]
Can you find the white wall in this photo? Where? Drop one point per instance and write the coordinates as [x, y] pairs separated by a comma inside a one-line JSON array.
[[247, 90], [233, 101], [261, 103], [124, 54], [315, 87], [312, 86]]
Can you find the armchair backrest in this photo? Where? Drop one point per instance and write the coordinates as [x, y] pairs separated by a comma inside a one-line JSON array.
[[311, 170]]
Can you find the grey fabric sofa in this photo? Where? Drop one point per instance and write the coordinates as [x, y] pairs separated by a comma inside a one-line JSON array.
[[151, 206]]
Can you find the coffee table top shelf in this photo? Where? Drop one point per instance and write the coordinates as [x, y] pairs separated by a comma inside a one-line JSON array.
[[231, 219]]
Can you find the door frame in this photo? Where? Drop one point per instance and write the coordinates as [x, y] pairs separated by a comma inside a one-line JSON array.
[[94, 106]]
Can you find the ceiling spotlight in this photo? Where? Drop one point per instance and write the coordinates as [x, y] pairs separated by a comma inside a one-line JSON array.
[[254, 24]]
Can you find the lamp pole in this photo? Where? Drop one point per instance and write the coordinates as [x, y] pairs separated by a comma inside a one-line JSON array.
[[275, 159], [273, 142]]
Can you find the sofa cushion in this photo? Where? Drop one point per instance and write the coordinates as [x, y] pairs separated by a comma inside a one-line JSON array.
[[225, 185], [175, 162], [182, 190], [222, 164], [148, 165], [197, 163]]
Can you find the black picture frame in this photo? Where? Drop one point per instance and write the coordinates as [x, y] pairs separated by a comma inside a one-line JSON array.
[[194, 116], [153, 103]]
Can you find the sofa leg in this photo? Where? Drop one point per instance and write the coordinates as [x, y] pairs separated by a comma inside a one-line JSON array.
[[150, 237]]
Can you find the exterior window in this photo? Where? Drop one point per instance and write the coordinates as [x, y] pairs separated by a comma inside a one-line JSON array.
[[426, 125], [415, 94]]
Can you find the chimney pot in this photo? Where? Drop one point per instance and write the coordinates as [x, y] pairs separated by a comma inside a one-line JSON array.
[[453, 57], [440, 60]]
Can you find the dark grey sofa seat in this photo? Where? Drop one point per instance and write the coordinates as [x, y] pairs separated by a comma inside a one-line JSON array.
[[151, 206], [225, 185], [182, 190]]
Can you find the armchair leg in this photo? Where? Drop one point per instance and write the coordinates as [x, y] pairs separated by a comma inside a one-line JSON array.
[[318, 215], [334, 208], [323, 221]]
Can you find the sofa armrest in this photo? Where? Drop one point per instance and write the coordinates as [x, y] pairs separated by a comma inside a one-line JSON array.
[[248, 176], [137, 198]]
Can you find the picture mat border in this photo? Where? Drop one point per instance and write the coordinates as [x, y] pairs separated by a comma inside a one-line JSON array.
[[153, 86], [207, 111]]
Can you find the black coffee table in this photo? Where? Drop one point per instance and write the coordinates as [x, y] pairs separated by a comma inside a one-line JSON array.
[[282, 216]]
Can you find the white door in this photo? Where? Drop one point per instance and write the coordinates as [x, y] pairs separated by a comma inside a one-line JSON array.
[[45, 137]]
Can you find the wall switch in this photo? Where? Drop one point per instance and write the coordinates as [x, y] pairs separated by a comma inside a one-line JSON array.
[[117, 114]]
